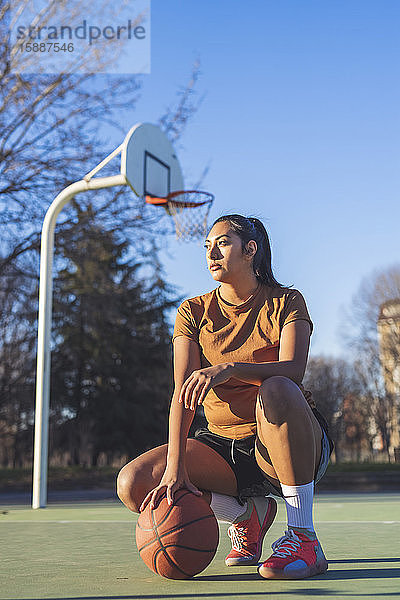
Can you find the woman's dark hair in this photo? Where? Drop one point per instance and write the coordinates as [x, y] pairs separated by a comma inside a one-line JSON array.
[[250, 228]]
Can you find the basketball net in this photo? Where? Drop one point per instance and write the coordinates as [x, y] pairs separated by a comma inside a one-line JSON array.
[[189, 210]]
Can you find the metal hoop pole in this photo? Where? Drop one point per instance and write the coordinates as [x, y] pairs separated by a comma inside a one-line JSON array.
[[39, 492]]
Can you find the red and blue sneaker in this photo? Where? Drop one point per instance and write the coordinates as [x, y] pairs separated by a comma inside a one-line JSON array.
[[247, 534], [296, 555]]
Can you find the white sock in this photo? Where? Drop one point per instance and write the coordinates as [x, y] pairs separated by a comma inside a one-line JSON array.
[[226, 508], [299, 505]]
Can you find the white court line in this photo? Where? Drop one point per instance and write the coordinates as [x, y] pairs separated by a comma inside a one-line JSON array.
[[343, 522], [322, 522], [74, 521], [133, 522]]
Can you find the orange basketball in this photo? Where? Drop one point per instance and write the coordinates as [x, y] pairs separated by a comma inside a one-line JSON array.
[[180, 540]]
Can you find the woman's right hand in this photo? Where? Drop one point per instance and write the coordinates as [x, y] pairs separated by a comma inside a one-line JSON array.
[[171, 481]]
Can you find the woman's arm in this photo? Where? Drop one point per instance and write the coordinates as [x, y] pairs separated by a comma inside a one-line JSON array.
[[293, 353], [186, 360]]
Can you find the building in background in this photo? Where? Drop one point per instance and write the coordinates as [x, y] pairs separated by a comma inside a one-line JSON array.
[[389, 351]]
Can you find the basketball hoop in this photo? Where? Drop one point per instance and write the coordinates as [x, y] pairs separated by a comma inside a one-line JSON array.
[[189, 210]]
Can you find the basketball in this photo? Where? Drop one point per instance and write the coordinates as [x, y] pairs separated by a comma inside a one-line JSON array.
[[180, 540]]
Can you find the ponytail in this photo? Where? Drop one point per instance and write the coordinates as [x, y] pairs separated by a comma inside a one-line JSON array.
[[250, 228]]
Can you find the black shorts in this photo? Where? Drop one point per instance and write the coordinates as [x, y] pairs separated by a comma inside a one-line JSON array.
[[240, 455]]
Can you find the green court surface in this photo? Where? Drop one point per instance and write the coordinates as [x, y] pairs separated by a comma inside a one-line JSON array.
[[88, 550]]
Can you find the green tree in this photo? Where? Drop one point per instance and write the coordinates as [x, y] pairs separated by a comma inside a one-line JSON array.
[[111, 367], [17, 361]]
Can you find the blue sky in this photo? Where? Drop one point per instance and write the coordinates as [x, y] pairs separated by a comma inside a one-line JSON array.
[[300, 124]]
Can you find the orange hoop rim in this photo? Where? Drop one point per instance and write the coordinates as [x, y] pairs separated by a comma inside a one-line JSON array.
[[170, 199]]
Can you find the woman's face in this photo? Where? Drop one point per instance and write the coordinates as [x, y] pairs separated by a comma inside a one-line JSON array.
[[226, 260]]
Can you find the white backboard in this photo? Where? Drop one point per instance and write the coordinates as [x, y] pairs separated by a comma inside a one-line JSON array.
[[149, 162]]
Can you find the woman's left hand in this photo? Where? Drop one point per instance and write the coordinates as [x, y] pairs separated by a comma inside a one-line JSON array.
[[200, 382]]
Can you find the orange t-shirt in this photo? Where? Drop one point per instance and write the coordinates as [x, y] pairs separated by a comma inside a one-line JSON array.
[[249, 332]]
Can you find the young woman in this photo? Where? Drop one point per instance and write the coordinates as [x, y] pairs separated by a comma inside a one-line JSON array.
[[241, 351]]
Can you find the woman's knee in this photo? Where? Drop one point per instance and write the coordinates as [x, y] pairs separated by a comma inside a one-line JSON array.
[[128, 482], [276, 397], [139, 476]]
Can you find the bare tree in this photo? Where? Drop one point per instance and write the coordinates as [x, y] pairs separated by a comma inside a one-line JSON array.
[[52, 133], [33, 23], [374, 335], [49, 135], [336, 389]]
